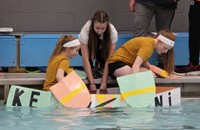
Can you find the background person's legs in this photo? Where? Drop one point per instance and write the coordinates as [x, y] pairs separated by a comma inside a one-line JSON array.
[[194, 39], [194, 35], [142, 19], [163, 20]]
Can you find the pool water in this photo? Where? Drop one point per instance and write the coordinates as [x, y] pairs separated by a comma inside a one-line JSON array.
[[185, 116]]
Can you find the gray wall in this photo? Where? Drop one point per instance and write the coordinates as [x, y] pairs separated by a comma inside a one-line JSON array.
[[70, 15]]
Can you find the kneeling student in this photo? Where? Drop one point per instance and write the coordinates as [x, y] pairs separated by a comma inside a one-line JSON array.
[[58, 66], [132, 57]]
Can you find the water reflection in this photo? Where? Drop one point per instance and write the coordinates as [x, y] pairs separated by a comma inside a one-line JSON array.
[[186, 116]]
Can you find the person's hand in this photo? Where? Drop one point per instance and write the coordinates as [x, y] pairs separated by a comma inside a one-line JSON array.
[[103, 88], [93, 89], [103, 91], [174, 76], [132, 5]]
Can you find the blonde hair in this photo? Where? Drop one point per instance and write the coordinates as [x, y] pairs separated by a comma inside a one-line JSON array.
[[168, 58], [59, 45]]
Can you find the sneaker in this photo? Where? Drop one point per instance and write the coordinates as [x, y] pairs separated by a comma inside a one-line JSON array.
[[188, 68]]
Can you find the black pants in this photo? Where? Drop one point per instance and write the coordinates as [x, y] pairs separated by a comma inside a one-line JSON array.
[[100, 61], [194, 32]]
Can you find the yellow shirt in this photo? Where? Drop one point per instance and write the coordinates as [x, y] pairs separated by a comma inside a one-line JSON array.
[[55, 63], [140, 46]]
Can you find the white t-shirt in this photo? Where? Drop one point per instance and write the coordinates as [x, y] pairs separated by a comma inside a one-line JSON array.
[[84, 34]]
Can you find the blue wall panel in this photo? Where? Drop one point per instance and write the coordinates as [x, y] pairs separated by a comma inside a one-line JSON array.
[[36, 49], [181, 52], [7, 51]]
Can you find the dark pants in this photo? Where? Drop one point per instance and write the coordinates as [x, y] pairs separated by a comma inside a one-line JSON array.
[[194, 32], [100, 61], [97, 69]]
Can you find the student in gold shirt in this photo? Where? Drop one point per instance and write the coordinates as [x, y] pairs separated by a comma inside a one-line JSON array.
[[132, 57], [58, 66]]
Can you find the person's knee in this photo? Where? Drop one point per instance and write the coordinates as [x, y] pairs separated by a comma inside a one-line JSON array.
[[123, 71]]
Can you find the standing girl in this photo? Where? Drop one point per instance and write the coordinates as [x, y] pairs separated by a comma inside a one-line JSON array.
[[58, 66], [98, 39]]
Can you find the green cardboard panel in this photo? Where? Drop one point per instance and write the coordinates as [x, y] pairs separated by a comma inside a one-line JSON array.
[[21, 96], [138, 90]]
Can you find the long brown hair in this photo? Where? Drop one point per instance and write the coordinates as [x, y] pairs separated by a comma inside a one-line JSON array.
[[101, 17], [168, 58], [59, 45]]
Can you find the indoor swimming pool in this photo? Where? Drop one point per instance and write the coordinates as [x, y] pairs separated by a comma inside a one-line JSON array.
[[185, 116]]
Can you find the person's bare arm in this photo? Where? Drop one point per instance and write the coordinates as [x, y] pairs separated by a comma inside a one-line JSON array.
[[87, 66], [137, 64], [105, 72], [146, 64], [132, 4], [60, 74]]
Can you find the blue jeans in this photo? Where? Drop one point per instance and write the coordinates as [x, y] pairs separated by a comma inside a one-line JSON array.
[[145, 13]]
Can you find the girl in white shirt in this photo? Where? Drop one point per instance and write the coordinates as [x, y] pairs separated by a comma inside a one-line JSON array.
[[98, 39]]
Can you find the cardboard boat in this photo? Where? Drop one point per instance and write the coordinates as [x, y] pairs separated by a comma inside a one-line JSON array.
[[136, 90], [28, 97]]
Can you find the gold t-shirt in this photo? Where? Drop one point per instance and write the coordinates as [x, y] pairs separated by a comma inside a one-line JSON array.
[[140, 46], [55, 63]]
